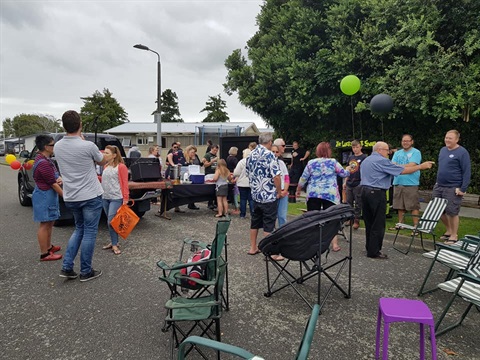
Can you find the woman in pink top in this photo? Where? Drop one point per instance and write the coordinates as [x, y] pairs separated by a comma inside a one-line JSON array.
[[116, 193]]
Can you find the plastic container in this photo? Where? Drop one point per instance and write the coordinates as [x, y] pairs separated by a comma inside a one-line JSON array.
[[197, 179]]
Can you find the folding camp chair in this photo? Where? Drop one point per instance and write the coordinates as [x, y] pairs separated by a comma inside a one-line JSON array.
[[455, 258], [466, 286], [304, 240], [426, 224], [302, 353], [470, 246], [202, 313], [171, 273]]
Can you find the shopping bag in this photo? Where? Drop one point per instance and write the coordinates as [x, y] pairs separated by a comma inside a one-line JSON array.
[[124, 221]]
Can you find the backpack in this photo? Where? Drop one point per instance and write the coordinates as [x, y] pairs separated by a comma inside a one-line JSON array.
[[196, 271]]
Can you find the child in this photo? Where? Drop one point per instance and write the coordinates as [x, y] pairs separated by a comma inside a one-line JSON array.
[[221, 177]]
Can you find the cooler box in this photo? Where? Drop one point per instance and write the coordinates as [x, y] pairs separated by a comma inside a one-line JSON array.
[[197, 179]]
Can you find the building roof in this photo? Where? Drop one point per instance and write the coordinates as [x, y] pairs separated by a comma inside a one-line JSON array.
[[180, 128]]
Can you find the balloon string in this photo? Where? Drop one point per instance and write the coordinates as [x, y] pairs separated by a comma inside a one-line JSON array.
[[353, 122]]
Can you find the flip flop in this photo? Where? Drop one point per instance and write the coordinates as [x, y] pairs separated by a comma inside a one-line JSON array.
[[450, 242], [445, 237], [107, 247], [117, 251], [255, 253]]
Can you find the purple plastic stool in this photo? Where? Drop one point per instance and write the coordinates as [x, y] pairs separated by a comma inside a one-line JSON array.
[[404, 310]]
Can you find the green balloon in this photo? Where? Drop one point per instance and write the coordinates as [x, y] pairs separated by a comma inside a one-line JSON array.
[[350, 85]]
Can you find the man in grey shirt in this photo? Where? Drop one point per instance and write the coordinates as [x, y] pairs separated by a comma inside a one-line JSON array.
[[82, 193]]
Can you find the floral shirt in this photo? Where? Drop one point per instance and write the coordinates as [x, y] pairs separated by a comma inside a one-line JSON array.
[[320, 175], [261, 167]]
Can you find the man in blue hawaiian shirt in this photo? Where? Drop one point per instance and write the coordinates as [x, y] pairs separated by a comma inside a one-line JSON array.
[[264, 175]]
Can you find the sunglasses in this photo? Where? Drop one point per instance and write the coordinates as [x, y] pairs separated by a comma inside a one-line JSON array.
[[50, 144]]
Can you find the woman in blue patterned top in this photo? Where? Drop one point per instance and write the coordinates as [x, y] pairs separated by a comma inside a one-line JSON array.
[[320, 176]]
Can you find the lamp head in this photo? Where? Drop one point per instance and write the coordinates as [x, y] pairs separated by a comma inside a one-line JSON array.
[[141, 47]]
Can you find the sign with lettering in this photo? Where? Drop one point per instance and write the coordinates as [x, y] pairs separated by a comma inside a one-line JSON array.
[[347, 144]]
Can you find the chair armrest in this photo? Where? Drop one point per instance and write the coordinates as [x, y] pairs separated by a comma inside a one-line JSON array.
[[200, 244], [456, 249], [195, 280], [172, 304], [470, 277], [161, 264], [226, 348]]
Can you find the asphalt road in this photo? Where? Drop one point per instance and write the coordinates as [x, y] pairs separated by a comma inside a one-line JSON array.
[[120, 314]]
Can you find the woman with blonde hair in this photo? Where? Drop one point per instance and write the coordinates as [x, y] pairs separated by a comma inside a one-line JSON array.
[[221, 177], [116, 193]]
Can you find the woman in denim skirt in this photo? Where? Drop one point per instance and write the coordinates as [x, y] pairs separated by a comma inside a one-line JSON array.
[[46, 208]]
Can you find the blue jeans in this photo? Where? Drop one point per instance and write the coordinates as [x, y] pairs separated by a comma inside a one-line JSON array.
[[110, 206], [87, 215], [245, 195], [282, 210]]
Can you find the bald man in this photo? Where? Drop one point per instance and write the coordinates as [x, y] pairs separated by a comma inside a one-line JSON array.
[[377, 173]]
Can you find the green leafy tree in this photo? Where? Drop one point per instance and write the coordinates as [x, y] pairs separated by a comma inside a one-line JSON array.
[[29, 124], [169, 105], [101, 111], [215, 108]]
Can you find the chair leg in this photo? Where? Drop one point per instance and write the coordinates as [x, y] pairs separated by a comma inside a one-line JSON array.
[[433, 343], [377, 339], [453, 326], [422, 341], [386, 333], [398, 249], [421, 291]]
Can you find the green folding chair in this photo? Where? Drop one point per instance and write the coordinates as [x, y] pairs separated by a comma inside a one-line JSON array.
[[467, 287], [199, 315], [179, 285], [302, 353]]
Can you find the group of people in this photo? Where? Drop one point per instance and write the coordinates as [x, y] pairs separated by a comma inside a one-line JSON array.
[[366, 181], [83, 194], [261, 177]]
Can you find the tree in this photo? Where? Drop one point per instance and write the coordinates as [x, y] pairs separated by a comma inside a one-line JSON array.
[[28, 124], [101, 111], [215, 108], [425, 54], [169, 105]]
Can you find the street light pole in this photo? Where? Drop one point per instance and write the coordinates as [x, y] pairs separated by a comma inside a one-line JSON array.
[[157, 115]]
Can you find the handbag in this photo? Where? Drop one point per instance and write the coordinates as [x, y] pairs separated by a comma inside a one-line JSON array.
[[124, 221]]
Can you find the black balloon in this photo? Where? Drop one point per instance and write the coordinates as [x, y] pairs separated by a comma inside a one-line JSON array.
[[381, 103]]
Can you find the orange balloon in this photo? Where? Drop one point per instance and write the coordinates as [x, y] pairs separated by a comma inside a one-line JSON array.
[[15, 165], [27, 165]]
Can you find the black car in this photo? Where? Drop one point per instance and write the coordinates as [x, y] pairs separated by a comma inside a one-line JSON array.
[[26, 184]]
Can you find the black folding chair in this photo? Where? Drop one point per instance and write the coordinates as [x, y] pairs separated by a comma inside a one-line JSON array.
[[303, 241]]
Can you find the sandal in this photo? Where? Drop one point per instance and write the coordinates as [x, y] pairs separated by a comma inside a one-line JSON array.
[[336, 249], [116, 251], [107, 247], [450, 242], [445, 237]]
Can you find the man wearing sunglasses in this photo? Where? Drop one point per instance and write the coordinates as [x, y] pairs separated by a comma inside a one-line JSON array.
[[377, 173]]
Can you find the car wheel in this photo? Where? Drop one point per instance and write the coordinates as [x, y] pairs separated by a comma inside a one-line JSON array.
[[23, 197]]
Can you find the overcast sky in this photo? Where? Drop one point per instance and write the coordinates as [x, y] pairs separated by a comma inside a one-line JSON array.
[[54, 52]]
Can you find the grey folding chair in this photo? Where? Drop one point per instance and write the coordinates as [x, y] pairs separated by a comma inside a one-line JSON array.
[[426, 224]]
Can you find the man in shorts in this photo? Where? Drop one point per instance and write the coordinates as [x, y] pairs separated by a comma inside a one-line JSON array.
[[453, 178], [264, 174], [405, 187]]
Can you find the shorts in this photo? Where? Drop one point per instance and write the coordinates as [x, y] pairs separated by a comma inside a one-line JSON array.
[[264, 216], [222, 190], [454, 201], [405, 198], [45, 205]]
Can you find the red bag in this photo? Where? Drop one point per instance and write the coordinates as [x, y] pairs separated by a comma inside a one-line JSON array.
[[124, 221]]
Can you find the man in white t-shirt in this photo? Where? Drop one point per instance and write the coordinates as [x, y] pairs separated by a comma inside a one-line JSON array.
[[82, 193]]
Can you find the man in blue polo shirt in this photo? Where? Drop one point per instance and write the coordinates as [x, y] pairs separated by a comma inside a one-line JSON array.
[[405, 187], [376, 173], [453, 178]]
